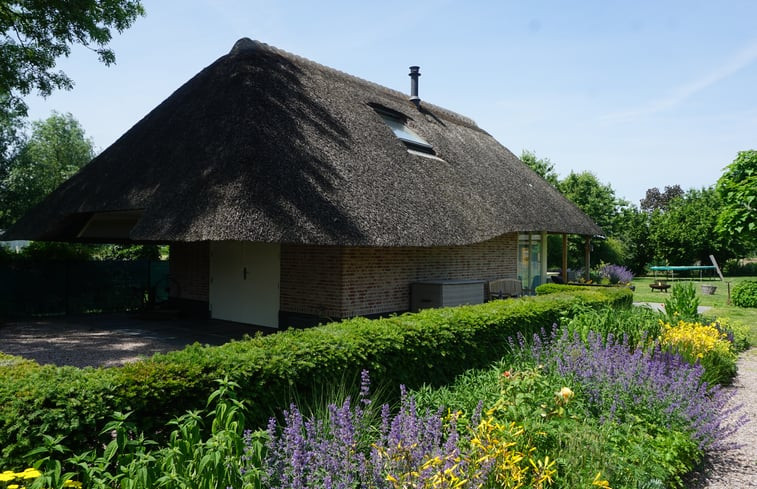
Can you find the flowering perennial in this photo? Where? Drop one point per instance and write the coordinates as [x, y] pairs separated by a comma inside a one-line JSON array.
[[409, 449], [695, 340], [616, 274], [18, 480], [617, 380]]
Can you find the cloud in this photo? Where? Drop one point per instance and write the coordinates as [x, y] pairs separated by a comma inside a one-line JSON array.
[[733, 65]]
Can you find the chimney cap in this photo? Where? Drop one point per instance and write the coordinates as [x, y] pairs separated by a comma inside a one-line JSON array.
[[414, 74]]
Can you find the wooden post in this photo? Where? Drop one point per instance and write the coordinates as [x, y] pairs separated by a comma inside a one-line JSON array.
[[543, 258], [587, 257], [564, 258]]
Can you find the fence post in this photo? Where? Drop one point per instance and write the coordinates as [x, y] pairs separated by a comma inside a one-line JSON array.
[[66, 287]]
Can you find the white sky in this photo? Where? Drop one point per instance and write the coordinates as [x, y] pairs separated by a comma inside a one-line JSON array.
[[643, 94]]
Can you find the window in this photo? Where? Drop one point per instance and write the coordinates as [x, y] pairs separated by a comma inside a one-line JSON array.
[[397, 123], [532, 266]]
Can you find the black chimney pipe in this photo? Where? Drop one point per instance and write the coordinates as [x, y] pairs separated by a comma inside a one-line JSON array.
[[414, 74]]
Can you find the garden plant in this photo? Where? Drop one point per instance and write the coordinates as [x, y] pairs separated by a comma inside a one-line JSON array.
[[584, 402]]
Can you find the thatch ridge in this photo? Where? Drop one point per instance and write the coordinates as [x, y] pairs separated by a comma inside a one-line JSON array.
[[266, 146]]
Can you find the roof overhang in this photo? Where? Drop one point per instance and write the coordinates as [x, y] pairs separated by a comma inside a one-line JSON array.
[[115, 225]]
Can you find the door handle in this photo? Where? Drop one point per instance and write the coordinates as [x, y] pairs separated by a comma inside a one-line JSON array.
[[244, 273]]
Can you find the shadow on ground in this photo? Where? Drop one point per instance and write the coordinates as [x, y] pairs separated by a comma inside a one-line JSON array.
[[109, 340]]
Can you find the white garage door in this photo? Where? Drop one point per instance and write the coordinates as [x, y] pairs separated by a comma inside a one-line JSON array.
[[244, 282]]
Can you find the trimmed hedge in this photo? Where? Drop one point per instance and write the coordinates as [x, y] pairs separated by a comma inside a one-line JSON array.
[[431, 346], [598, 289]]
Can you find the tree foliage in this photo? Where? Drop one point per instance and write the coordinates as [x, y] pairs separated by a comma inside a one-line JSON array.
[[672, 226], [654, 199], [37, 32], [56, 149], [737, 188], [11, 140], [632, 230], [542, 166], [685, 232], [596, 199]]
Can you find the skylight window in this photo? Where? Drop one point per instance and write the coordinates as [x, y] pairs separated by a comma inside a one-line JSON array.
[[397, 123]]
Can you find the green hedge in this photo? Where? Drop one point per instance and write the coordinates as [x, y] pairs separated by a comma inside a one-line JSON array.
[[431, 346], [594, 291]]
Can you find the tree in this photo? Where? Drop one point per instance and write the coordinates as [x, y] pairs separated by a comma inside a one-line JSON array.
[[685, 232], [11, 140], [654, 199], [57, 148], [37, 32], [632, 229], [596, 199], [542, 166], [737, 188]]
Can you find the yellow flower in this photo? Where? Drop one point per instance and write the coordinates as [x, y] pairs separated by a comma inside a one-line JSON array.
[[564, 395], [599, 482], [7, 476], [30, 474], [695, 340]]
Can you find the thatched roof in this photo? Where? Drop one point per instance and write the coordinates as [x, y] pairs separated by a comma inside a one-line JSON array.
[[266, 146]]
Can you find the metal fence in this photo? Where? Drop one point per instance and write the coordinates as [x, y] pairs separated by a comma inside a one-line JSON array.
[[40, 288]]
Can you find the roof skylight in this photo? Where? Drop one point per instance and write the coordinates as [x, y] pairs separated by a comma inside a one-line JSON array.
[[397, 123]]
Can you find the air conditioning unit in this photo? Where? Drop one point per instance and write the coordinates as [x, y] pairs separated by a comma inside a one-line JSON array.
[[445, 293]]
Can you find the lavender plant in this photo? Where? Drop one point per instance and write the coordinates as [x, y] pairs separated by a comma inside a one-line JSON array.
[[623, 384], [616, 274], [411, 448]]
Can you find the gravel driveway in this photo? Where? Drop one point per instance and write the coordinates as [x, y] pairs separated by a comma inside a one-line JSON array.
[[109, 340]]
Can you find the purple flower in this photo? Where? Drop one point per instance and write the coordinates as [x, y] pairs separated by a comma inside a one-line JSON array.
[[344, 451], [620, 381], [616, 274]]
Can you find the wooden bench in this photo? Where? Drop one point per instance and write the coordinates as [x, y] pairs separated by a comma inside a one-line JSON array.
[[659, 285], [504, 288]]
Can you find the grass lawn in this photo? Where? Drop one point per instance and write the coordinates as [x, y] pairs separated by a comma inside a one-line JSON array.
[[718, 301]]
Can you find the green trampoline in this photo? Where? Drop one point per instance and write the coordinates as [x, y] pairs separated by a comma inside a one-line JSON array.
[[682, 268]]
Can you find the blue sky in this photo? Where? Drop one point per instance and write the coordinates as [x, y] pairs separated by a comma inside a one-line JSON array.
[[643, 94]]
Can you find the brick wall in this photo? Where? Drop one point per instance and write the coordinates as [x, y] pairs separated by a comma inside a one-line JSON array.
[[189, 267], [378, 280], [311, 280], [343, 282]]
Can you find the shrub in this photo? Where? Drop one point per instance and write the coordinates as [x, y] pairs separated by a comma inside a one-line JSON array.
[[431, 346], [639, 325], [704, 344], [736, 331], [732, 268], [682, 304], [639, 453], [205, 449], [744, 294], [633, 385], [42, 250], [412, 448], [621, 296], [616, 274], [6, 255]]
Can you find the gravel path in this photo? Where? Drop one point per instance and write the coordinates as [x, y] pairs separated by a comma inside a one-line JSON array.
[[110, 340], [736, 469]]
